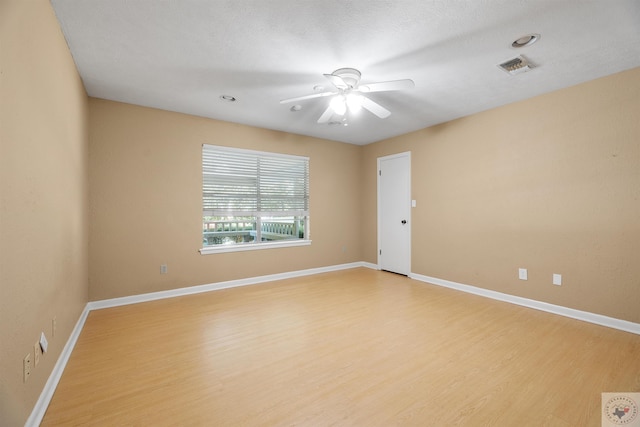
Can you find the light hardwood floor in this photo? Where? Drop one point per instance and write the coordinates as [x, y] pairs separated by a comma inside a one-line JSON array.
[[351, 348]]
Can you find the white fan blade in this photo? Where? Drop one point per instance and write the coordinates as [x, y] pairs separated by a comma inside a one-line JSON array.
[[336, 81], [324, 118], [375, 108], [384, 86], [302, 98]]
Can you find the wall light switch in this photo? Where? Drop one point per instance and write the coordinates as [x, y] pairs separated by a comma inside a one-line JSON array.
[[522, 273], [44, 344], [413, 203], [557, 279], [37, 351]]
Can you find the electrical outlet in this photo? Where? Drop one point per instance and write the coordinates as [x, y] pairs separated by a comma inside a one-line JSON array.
[[37, 352], [54, 326], [522, 273], [26, 367], [163, 269], [557, 279]]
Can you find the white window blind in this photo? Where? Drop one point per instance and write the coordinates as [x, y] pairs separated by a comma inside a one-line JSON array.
[[262, 197]]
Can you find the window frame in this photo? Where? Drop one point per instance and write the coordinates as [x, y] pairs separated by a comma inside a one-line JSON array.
[[257, 245]]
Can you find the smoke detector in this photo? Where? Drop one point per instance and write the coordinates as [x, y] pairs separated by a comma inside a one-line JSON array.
[[516, 65]]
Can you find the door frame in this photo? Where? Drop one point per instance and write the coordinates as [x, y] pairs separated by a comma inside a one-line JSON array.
[[406, 154]]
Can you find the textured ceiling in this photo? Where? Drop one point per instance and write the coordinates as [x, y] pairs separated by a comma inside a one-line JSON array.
[[183, 55]]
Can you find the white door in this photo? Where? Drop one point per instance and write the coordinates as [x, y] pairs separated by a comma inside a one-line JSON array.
[[394, 213]]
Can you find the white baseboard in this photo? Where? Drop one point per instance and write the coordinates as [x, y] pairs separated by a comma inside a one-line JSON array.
[[42, 404], [369, 265], [585, 316], [134, 299]]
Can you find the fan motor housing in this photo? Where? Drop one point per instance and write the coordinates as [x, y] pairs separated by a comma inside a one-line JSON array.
[[350, 76]]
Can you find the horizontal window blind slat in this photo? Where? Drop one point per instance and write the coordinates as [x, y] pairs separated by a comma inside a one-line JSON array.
[[254, 214]]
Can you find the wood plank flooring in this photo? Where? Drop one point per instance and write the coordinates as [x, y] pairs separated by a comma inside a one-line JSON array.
[[352, 348]]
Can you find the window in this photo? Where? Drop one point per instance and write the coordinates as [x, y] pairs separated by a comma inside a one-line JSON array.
[[253, 199]]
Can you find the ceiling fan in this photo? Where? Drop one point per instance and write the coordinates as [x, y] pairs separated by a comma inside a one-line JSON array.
[[347, 95]]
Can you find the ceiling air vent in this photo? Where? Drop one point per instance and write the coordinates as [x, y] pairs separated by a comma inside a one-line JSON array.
[[516, 65]]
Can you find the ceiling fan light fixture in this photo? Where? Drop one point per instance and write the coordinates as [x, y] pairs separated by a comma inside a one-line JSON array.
[[347, 95], [339, 105]]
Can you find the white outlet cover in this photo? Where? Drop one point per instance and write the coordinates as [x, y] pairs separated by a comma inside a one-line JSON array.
[[557, 279], [522, 273], [26, 367], [44, 344]]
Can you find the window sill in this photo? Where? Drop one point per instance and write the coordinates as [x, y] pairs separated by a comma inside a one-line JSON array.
[[252, 246]]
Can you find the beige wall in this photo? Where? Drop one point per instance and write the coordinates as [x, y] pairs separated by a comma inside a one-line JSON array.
[[95, 195], [146, 209], [43, 198], [551, 184]]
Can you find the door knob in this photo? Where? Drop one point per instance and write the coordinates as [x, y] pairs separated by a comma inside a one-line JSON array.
[[404, 221]]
